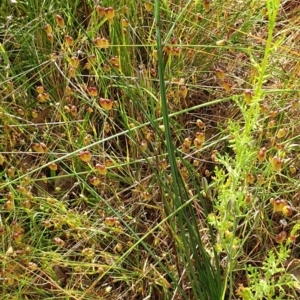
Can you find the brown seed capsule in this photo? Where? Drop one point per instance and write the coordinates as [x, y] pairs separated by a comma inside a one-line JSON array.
[[53, 166], [100, 11], [85, 155], [32, 266], [67, 109], [74, 62], [287, 211], [69, 40], [187, 142], [58, 241], [273, 113], [9, 205], [41, 98], [40, 89], [280, 238], [50, 37], [200, 136], [106, 103], [198, 143], [153, 72], [72, 72], [282, 132], [17, 236], [163, 164], [248, 94], [21, 112], [262, 154], [292, 169], [88, 252], [101, 169], [263, 108], [143, 145], [199, 17], [53, 56], [106, 67], [221, 43], [39, 147], [110, 221], [146, 195], [87, 139], [250, 178], [292, 238], [220, 73], [148, 6], [92, 91], [206, 5], [278, 204], [106, 127], [94, 181], [125, 9], [10, 196], [260, 179], [200, 124], [2, 159], [226, 85], [109, 13], [118, 248], [26, 204], [183, 91], [248, 198], [277, 163], [214, 156], [124, 23], [48, 28], [108, 162], [101, 43], [59, 21]]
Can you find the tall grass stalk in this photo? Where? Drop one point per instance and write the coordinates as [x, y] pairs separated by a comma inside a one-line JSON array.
[[204, 276]]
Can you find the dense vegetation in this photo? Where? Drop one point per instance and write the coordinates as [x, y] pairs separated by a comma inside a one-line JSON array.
[[149, 150]]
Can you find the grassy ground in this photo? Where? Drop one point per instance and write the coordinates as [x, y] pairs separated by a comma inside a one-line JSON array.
[[149, 150]]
